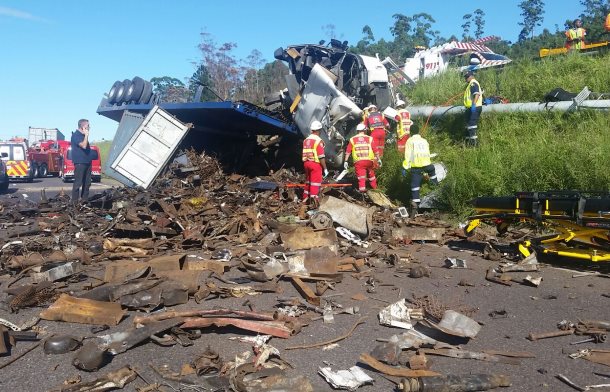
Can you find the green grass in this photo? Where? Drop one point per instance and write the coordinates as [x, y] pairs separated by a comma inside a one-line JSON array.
[[520, 81], [517, 152], [104, 147]]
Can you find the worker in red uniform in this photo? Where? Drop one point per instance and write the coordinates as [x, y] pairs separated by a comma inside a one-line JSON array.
[[360, 147], [314, 163], [403, 126], [377, 124]]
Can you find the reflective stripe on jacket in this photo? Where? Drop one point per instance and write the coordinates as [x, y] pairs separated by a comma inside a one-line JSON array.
[[310, 148], [417, 152], [362, 147], [468, 95], [404, 123]]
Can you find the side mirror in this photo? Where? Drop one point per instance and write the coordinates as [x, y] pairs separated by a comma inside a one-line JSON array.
[[4, 155]]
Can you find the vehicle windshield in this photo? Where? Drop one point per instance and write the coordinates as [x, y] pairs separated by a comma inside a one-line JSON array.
[[15, 152]]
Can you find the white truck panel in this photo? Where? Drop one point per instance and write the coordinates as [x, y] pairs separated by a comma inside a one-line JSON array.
[[150, 148]]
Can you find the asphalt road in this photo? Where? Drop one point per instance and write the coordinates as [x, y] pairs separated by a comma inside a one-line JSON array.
[[52, 186]]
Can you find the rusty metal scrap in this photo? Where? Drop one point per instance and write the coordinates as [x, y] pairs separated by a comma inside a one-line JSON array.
[[85, 311]]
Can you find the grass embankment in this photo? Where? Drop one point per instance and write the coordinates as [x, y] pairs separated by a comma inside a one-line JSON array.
[[104, 147], [518, 151]]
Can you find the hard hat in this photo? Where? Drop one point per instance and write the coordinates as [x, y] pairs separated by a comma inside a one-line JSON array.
[[468, 74], [316, 125], [372, 106], [400, 102], [360, 127]]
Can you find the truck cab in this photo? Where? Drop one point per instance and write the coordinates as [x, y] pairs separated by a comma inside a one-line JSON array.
[[14, 154]]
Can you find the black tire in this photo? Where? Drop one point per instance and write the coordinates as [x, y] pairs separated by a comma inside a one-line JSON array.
[[43, 171], [134, 92], [122, 92], [113, 92], [34, 171], [146, 93], [96, 179]]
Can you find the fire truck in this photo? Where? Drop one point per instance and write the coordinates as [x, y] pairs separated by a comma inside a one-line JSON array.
[[47, 157]]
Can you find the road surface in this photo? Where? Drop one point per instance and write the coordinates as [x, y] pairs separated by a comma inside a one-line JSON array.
[[52, 186]]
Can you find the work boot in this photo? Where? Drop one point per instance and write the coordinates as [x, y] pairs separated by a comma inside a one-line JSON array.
[[414, 209], [303, 211], [315, 203]]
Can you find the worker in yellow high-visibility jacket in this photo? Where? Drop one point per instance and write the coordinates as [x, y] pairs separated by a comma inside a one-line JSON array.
[[417, 160], [473, 102], [575, 37]]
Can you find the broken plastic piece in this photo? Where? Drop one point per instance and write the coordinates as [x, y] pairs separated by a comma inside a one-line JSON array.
[[350, 379], [451, 262], [396, 315]]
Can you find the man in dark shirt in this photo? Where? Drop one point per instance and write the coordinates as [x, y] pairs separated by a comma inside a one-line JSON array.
[[82, 157]]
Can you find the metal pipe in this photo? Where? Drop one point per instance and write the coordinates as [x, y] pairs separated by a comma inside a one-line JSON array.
[[436, 111]]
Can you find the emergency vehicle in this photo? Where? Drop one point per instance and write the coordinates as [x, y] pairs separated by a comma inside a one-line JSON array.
[[18, 165], [66, 171]]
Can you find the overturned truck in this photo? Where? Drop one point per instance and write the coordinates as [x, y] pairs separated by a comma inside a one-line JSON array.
[[325, 83]]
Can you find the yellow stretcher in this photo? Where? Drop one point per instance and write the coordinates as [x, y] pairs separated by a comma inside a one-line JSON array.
[[580, 221], [545, 52]]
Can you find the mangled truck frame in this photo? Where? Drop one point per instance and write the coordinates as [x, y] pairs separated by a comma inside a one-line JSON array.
[[326, 83]]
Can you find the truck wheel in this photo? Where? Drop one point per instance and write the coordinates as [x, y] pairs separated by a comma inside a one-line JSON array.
[[113, 92], [146, 93], [134, 92], [43, 171], [122, 92], [34, 172]]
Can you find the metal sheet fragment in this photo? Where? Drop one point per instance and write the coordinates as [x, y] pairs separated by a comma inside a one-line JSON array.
[[84, 311]]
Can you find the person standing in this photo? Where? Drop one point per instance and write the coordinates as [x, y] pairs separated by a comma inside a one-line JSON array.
[[607, 23], [360, 147], [575, 37], [473, 102], [82, 155], [314, 163], [403, 126], [417, 159], [377, 124]]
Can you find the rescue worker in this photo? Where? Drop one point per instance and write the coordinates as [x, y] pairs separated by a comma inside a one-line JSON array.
[[377, 124], [360, 147], [417, 159], [575, 37], [314, 163], [607, 24], [473, 101], [403, 126]]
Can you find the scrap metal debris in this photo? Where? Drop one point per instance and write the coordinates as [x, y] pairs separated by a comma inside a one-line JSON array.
[[200, 239]]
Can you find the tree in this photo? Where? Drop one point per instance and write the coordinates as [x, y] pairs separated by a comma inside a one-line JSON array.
[[593, 18], [479, 22], [201, 77], [224, 69], [330, 30], [466, 26], [532, 12], [170, 89]]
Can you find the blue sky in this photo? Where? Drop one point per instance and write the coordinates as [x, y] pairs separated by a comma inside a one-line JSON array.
[[60, 57]]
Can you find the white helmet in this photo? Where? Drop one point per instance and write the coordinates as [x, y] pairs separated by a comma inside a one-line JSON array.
[[360, 127], [400, 103], [316, 125], [372, 106]]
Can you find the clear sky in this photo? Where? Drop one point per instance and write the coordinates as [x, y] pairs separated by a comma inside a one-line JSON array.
[[58, 58]]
